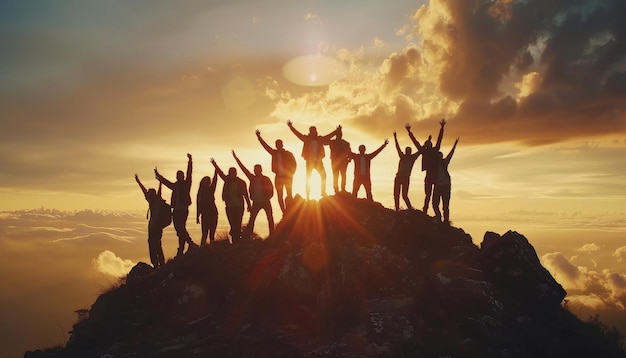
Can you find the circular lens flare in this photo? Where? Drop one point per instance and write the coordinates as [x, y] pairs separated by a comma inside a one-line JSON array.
[[314, 70]]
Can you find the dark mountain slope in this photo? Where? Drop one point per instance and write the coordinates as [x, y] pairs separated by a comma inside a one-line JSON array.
[[342, 278]]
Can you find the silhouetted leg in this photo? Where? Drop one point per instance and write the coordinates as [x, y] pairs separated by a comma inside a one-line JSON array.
[[428, 189], [335, 168], [322, 171], [309, 170], [396, 192], [405, 193], [154, 247], [179, 219], [270, 216], [436, 200], [279, 184], [355, 186], [342, 171], [288, 187], [235, 217], [445, 196], [368, 189], [212, 223], [254, 211], [205, 229]]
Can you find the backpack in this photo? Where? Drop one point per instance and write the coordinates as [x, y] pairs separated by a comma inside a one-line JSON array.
[[266, 187], [289, 163], [162, 214]]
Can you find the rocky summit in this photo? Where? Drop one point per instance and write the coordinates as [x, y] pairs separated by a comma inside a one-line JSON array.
[[342, 277]]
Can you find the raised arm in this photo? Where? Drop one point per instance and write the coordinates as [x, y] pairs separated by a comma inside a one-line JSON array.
[[300, 136], [440, 136], [218, 171], [263, 143], [143, 188], [214, 182], [162, 179], [380, 149], [189, 168], [159, 191], [327, 137], [413, 139], [243, 167], [395, 138], [449, 156]]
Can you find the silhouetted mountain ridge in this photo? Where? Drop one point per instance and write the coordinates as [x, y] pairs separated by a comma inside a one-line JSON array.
[[342, 277]]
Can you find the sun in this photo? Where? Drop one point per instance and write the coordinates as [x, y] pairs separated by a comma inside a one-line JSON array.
[[314, 70]]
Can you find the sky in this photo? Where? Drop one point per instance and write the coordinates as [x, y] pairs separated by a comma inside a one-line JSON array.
[[93, 92]]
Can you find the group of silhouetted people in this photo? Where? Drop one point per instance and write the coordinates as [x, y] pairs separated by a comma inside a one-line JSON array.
[[239, 196]]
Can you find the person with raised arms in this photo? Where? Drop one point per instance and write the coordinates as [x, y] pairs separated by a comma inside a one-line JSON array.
[[234, 193], [313, 152], [261, 191], [362, 169], [284, 166]]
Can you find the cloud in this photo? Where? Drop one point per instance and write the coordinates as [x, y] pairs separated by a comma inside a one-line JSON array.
[[620, 253], [595, 289], [563, 271], [109, 263], [526, 71], [589, 248]]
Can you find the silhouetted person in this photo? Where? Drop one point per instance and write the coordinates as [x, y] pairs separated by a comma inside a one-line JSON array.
[[206, 210], [405, 166], [180, 201], [234, 192], [155, 230], [284, 166], [443, 185], [313, 152], [339, 158], [429, 162], [362, 172], [261, 191]]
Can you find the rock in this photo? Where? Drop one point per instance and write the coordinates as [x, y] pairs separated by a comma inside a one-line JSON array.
[[511, 264]]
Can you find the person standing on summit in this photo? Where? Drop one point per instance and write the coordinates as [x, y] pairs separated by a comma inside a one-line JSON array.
[[261, 191], [403, 175], [206, 210], [430, 156], [155, 228], [362, 169], [339, 158], [284, 166], [234, 193], [180, 201], [313, 153], [443, 185]]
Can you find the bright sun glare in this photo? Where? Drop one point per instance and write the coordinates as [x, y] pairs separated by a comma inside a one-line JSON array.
[[314, 70]]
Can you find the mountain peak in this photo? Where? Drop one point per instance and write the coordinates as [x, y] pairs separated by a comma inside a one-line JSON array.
[[342, 277]]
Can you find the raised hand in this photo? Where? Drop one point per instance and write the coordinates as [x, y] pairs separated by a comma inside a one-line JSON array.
[[395, 134], [442, 122], [386, 141], [289, 123], [137, 176], [212, 160], [188, 156], [258, 132]]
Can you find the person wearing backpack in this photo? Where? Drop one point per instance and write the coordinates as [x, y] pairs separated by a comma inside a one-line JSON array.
[[180, 201], [362, 169], [234, 192], [261, 191], [284, 166], [443, 186], [155, 225], [206, 210], [429, 161], [339, 159]]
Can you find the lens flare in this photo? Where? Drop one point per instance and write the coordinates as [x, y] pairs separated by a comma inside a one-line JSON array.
[[314, 70]]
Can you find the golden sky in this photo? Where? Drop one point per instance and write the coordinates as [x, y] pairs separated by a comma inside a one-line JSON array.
[[93, 92]]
